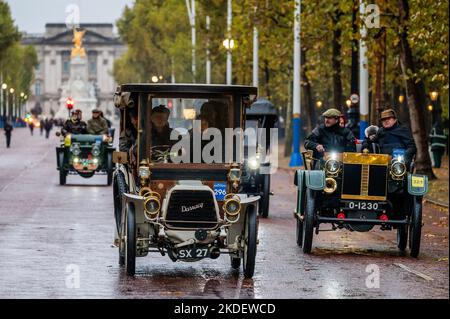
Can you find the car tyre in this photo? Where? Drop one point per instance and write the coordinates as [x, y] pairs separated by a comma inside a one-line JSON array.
[[265, 198], [119, 188], [110, 168], [249, 239], [402, 237], [308, 221], [415, 226], [62, 171], [130, 242]]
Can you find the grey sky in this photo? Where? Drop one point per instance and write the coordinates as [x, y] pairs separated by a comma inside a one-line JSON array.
[[32, 15]]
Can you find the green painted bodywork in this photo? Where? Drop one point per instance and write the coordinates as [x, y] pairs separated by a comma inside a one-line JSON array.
[[312, 179]]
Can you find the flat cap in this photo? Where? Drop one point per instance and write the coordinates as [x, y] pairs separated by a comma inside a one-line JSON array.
[[332, 113], [96, 111], [387, 114]]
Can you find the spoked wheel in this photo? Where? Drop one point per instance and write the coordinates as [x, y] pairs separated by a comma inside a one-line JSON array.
[[265, 199], [415, 226], [119, 188], [308, 221], [402, 237], [299, 231], [250, 233], [110, 169], [62, 171], [130, 241]]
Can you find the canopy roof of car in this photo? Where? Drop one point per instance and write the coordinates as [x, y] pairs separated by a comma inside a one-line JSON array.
[[262, 107], [188, 88]]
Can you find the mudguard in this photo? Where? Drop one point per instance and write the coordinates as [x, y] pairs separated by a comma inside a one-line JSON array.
[[315, 180], [312, 179], [417, 184]]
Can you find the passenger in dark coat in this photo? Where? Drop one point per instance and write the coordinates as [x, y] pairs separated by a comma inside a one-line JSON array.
[[393, 136]]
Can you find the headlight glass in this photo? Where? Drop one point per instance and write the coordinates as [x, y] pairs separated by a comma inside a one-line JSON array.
[[332, 166], [152, 206], [398, 169], [75, 149], [232, 207], [144, 172], [253, 163], [95, 151]]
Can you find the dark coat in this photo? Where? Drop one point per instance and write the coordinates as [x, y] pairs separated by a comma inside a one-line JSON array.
[[334, 138], [394, 137], [74, 127], [8, 128]]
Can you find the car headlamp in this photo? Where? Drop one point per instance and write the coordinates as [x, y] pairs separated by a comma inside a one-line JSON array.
[[144, 172], [254, 163], [75, 149], [95, 160], [152, 206], [332, 166], [234, 175], [95, 150], [398, 169]]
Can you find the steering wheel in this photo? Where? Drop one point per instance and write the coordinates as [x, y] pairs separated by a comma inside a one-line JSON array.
[[160, 153]]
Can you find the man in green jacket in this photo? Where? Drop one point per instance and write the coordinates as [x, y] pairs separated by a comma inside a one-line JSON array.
[[97, 125]]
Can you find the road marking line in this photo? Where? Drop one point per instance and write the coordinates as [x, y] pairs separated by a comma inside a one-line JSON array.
[[415, 272]]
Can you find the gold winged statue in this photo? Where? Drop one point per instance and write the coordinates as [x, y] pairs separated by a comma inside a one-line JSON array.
[[78, 50]]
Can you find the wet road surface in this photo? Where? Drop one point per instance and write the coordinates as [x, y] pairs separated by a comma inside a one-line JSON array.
[[51, 233]]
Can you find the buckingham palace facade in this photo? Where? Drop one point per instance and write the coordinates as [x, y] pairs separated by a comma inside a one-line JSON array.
[[54, 47]]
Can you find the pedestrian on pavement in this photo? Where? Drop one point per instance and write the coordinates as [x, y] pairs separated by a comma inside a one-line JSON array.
[[97, 125], [48, 125], [8, 129], [31, 126], [330, 136], [41, 126], [438, 143]]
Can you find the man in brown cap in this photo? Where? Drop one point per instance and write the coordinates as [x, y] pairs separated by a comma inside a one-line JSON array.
[[330, 136], [392, 136], [97, 125]]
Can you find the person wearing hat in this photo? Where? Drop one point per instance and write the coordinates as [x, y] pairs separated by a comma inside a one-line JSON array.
[[74, 125], [393, 136], [160, 126], [330, 136], [97, 125]]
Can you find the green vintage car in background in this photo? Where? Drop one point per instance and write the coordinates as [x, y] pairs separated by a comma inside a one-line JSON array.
[[84, 155]]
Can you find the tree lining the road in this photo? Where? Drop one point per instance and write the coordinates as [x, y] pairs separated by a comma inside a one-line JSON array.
[[158, 37], [17, 62]]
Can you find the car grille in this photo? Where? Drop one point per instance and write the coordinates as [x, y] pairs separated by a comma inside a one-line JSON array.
[[364, 181], [191, 209]]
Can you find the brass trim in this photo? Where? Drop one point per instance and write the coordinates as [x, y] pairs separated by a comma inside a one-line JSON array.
[[366, 159], [364, 187], [360, 197], [330, 185]]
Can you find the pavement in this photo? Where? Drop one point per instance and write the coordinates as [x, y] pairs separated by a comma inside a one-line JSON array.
[[56, 242]]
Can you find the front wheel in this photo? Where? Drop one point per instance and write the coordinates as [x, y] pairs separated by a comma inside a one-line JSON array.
[[130, 242], [308, 222], [415, 226], [250, 233], [62, 171], [299, 231], [265, 199]]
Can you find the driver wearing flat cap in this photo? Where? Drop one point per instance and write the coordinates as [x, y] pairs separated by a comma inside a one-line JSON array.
[[97, 125], [330, 136]]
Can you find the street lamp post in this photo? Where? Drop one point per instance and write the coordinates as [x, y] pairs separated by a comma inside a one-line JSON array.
[[208, 60], [296, 159], [11, 104], [3, 105], [229, 43], [435, 107]]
